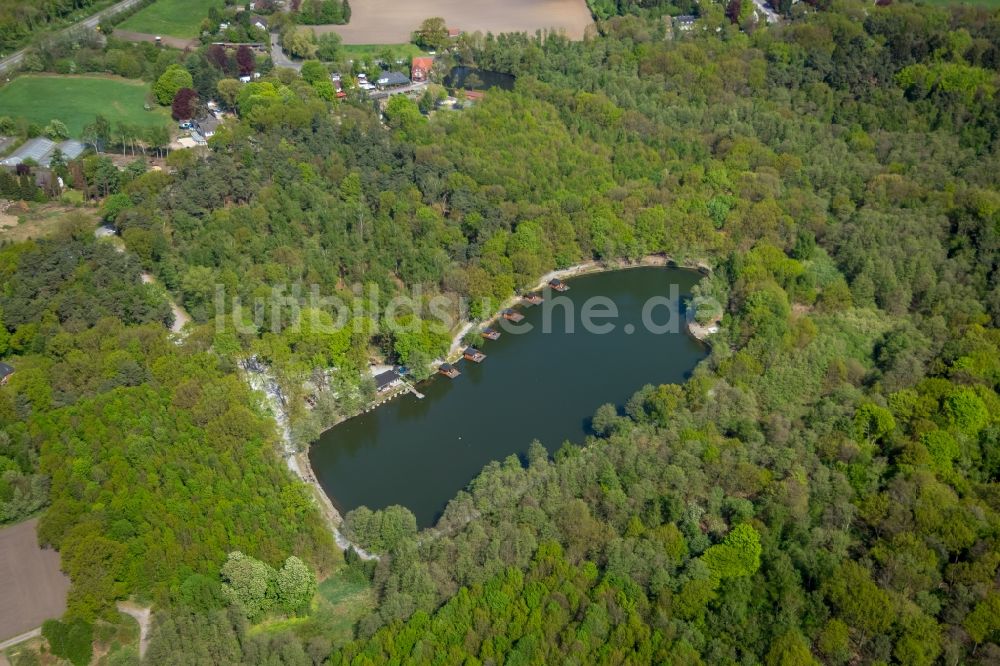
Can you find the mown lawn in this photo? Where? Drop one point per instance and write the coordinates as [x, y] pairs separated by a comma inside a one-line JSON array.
[[75, 100], [177, 18], [372, 51]]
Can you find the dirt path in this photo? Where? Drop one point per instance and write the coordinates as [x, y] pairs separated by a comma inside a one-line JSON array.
[[167, 40], [260, 379], [392, 22], [26, 636], [142, 616], [181, 318]]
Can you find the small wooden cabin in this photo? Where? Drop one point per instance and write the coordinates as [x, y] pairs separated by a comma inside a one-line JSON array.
[[474, 355], [558, 285], [532, 299], [448, 370], [491, 334], [513, 315]]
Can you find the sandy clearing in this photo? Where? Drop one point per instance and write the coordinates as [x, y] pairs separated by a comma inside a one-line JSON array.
[[392, 22], [32, 587]]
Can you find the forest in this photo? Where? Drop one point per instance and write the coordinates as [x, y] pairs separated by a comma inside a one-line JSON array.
[[823, 489]]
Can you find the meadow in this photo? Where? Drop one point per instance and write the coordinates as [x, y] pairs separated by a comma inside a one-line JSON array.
[[75, 100], [176, 18]]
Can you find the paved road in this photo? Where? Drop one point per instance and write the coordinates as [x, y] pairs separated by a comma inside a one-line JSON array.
[[278, 56], [14, 60]]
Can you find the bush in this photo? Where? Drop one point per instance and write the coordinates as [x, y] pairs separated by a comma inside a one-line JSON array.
[[72, 640], [173, 79]]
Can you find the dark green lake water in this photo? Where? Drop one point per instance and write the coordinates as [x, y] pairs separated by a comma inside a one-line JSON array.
[[535, 385]]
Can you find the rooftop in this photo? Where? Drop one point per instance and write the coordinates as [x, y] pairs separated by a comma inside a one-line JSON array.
[[6, 370], [208, 124], [393, 79], [40, 150], [386, 378]]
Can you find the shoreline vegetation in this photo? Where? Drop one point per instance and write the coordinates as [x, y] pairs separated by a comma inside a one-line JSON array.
[[577, 270], [260, 379]]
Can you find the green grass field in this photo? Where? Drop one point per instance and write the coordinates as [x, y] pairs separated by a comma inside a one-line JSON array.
[[372, 51], [75, 100], [989, 4], [177, 18]]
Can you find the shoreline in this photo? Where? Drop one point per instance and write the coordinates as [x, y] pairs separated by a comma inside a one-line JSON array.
[[577, 270], [299, 462]]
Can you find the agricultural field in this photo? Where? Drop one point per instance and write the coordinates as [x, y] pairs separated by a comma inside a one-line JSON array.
[[392, 22], [176, 18], [75, 100], [34, 587]]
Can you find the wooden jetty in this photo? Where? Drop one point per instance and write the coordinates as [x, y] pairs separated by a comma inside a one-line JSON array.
[[491, 334], [448, 370], [474, 355], [532, 298], [513, 315], [558, 285]]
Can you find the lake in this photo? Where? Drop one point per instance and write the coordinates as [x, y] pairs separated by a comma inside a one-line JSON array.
[[471, 78], [535, 385]]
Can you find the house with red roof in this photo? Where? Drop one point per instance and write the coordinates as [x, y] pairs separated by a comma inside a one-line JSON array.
[[420, 68]]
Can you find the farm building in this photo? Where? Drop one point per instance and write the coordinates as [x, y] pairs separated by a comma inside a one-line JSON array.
[[40, 150]]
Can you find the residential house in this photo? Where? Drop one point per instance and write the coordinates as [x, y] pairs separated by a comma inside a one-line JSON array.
[[392, 80], [388, 380], [420, 68], [5, 372], [207, 126], [259, 22], [685, 22]]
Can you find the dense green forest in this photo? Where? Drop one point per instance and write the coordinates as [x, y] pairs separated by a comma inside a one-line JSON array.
[[824, 489]]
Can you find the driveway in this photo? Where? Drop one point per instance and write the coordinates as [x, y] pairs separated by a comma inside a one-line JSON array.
[[278, 56]]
